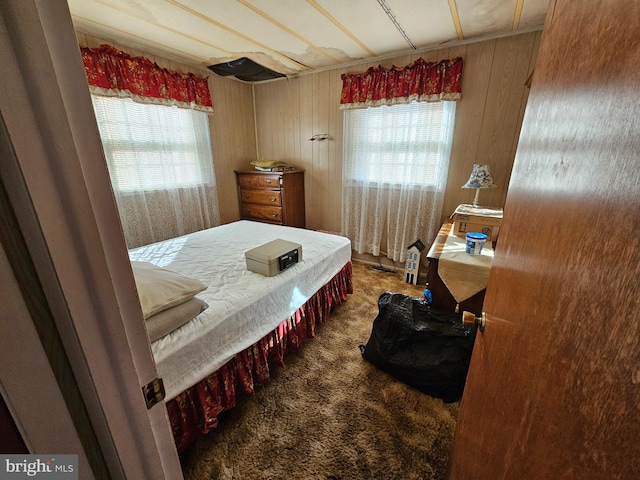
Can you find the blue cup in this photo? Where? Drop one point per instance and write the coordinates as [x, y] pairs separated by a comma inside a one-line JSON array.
[[475, 242]]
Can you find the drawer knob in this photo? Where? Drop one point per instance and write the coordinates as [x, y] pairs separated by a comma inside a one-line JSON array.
[[273, 214], [246, 195], [273, 199], [268, 182]]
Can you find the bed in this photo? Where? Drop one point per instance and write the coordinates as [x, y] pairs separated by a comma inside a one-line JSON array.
[[246, 322]]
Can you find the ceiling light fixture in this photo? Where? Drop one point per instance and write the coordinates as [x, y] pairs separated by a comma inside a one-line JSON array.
[[245, 69]]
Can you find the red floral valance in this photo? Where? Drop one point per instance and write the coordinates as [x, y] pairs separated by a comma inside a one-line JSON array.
[[423, 81], [112, 72]]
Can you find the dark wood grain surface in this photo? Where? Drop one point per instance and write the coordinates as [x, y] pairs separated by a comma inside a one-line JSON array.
[[553, 390], [442, 297]]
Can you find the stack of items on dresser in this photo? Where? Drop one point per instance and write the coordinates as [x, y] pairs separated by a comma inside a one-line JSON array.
[[272, 166]]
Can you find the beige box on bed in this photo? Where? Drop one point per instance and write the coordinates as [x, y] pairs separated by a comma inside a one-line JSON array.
[[273, 257]]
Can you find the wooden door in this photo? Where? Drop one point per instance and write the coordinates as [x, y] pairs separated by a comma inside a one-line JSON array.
[[553, 390], [67, 282]]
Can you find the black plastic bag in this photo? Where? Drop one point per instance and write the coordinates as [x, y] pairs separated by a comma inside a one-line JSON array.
[[421, 346]]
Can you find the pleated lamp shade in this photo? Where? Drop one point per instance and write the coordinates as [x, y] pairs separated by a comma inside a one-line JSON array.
[[480, 178]]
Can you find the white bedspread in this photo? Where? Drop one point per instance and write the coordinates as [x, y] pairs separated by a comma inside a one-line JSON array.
[[243, 306]]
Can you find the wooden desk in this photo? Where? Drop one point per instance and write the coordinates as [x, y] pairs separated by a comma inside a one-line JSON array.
[[442, 298]]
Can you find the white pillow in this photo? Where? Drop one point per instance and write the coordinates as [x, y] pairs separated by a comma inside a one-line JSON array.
[[159, 288], [166, 321]]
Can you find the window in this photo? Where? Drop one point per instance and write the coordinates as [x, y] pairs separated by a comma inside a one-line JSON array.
[[399, 144], [154, 147], [161, 168], [395, 167]]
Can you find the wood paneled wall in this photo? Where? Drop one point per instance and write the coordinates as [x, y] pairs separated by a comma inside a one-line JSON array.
[[231, 125], [494, 95], [276, 120]]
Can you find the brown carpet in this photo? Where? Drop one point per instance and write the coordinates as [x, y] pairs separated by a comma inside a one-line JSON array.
[[330, 414]]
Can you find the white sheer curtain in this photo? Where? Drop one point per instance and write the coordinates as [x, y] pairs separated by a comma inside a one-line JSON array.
[[161, 168], [395, 166]]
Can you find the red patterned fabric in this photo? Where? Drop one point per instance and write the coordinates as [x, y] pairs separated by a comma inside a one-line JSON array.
[[115, 73], [195, 411], [423, 81]]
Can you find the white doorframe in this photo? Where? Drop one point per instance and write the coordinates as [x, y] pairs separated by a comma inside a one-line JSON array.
[[59, 188]]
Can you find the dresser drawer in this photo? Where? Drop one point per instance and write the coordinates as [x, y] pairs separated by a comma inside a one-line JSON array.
[[272, 197], [261, 197], [259, 212], [259, 181], [269, 181], [248, 180]]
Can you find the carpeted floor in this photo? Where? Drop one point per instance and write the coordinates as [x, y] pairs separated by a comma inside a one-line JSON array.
[[330, 414]]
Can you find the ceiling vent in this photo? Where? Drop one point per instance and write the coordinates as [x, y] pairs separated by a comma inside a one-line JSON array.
[[245, 69]]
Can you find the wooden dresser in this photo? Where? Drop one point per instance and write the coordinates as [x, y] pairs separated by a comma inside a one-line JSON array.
[[272, 197]]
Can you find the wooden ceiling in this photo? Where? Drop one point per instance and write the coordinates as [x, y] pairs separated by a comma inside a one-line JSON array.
[[299, 36]]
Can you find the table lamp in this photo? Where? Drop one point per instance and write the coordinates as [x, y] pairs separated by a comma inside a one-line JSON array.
[[480, 178]]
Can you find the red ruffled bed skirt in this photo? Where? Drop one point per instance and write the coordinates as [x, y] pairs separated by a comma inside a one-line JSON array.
[[195, 411]]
